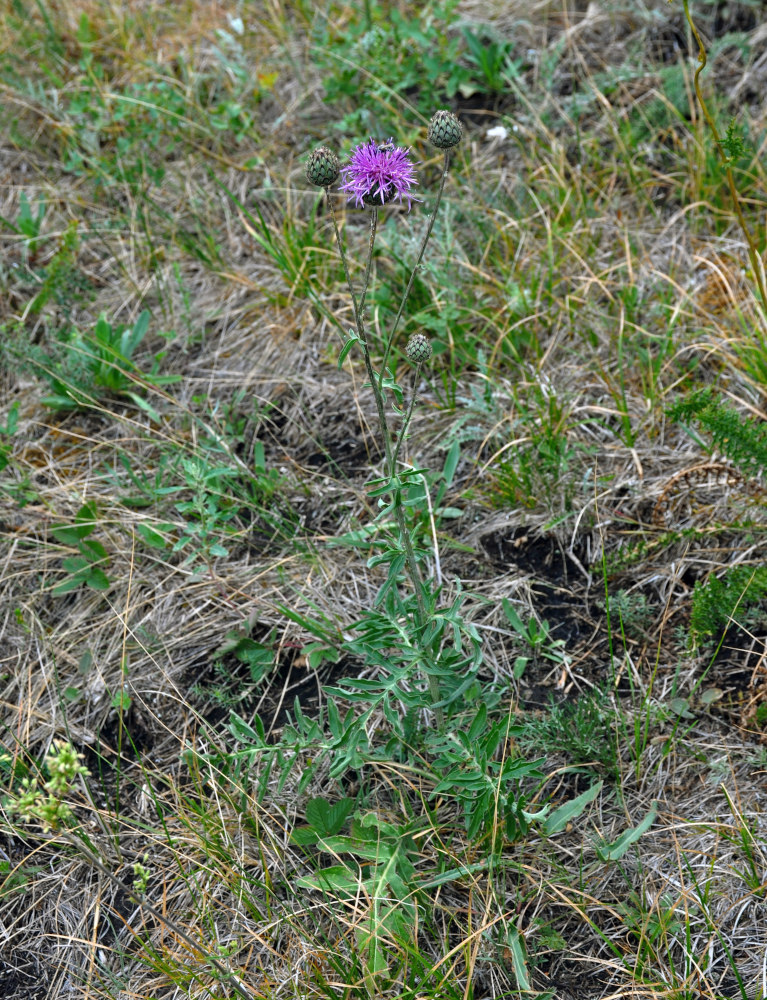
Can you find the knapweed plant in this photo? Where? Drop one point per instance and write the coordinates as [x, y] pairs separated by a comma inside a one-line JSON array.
[[378, 175], [421, 656]]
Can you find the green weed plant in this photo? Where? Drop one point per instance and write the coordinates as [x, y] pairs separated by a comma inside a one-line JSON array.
[[421, 654], [742, 440], [85, 369], [415, 703]]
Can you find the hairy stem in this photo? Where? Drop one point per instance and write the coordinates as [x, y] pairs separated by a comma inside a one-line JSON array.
[[415, 574], [366, 279], [360, 325], [403, 432], [342, 252]]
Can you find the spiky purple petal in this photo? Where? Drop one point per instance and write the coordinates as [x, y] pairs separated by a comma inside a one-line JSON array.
[[376, 175]]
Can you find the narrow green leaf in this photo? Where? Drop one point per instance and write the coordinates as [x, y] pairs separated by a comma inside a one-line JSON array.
[[518, 959], [241, 730], [478, 725], [514, 620], [451, 462], [353, 339], [452, 876], [142, 404], [616, 850]]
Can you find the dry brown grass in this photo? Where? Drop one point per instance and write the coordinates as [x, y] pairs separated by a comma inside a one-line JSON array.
[[569, 218]]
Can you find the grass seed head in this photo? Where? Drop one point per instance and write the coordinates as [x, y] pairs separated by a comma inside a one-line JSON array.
[[445, 130], [322, 167]]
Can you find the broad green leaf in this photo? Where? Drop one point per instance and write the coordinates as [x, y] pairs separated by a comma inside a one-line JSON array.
[[335, 878], [151, 537], [680, 707], [450, 512], [325, 818], [75, 564], [86, 519], [65, 534], [561, 816], [303, 836], [93, 550], [381, 852], [98, 580]]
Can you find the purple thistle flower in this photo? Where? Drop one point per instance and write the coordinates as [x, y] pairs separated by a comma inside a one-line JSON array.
[[377, 174]]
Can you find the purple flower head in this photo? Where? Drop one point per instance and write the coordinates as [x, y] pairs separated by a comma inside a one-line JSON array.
[[377, 174]]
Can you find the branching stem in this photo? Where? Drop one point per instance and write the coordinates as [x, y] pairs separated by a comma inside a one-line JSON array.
[[422, 250], [376, 382]]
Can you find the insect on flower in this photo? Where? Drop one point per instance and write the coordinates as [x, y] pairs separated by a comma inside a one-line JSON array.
[[377, 174]]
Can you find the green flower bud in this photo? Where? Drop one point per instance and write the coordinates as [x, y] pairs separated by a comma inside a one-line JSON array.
[[418, 349], [445, 131], [322, 167]]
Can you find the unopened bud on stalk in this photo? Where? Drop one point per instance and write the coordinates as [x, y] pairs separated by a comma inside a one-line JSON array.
[[322, 167], [445, 131], [418, 349]]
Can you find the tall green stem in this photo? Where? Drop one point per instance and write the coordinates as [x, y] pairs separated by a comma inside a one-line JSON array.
[[368, 265], [377, 386], [360, 325], [424, 241], [403, 432]]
